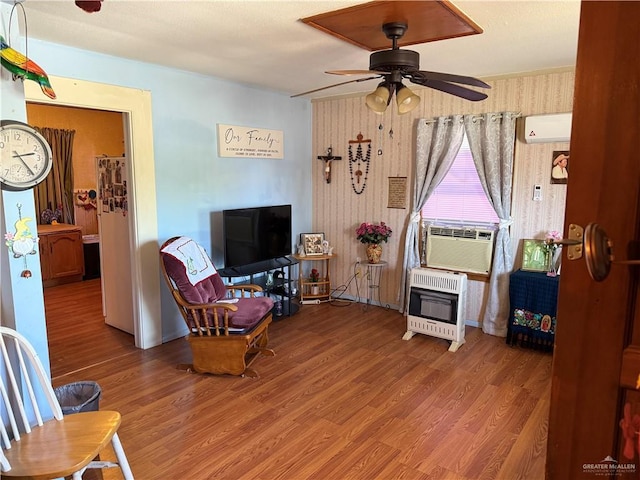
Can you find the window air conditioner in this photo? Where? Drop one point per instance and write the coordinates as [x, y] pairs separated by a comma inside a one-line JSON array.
[[547, 128], [460, 248]]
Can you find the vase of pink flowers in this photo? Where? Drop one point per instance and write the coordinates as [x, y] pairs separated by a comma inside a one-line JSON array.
[[373, 235]]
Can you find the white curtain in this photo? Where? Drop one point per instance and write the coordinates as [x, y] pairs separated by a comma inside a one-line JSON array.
[[437, 144], [491, 140]]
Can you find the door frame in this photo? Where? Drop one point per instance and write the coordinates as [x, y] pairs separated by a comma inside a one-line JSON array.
[[135, 104]]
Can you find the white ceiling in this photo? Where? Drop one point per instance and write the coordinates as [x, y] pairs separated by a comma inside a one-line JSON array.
[[263, 43]]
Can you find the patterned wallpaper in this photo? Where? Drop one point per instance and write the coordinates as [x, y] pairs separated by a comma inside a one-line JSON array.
[[338, 210]]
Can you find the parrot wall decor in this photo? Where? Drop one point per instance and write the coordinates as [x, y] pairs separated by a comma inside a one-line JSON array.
[[21, 67]]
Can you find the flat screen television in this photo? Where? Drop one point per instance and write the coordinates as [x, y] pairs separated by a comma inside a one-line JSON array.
[[253, 235]]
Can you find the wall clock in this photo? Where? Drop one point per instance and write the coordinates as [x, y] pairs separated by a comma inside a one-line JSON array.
[[25, 156]]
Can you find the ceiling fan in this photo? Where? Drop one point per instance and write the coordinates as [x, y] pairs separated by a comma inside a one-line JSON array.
[[395, 64]]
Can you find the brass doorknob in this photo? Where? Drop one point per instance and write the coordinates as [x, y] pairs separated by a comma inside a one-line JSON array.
[[597, 248]]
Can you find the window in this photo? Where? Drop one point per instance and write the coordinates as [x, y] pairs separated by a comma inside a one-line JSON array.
[[460, 197], [460, 206]]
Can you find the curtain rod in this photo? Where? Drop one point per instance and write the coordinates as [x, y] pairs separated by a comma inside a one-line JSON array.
[[478, 117]]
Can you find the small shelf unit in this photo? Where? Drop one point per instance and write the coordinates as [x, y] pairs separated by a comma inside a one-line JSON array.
[[311, 292]]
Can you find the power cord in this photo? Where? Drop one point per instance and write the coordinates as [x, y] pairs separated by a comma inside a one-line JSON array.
[[343, 302]]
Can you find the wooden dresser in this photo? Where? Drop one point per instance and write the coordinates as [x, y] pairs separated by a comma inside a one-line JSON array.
[[61, 253]]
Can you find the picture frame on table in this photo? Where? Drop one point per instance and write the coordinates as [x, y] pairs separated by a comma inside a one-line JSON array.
[[534, 256], [312, 243]]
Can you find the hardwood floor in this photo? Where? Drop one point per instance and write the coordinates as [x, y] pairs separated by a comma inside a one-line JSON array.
[[78, 336], [344, 398]]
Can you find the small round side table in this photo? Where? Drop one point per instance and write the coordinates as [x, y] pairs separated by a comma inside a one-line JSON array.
[[374, 274]]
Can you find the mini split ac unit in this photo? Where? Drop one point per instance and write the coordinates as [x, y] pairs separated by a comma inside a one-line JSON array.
[[547, 128], [460, 248]]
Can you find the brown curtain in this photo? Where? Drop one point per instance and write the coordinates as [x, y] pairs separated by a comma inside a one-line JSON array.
[[57, 189]]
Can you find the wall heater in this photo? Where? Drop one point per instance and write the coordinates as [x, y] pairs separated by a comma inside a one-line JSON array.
[[437, 305]]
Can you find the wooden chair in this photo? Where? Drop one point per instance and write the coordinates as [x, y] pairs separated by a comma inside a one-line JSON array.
[[4, 463], [37, 441], [228, 325]]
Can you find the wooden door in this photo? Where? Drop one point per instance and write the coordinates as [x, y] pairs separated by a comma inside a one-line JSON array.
[[599, 322], [115, 243]]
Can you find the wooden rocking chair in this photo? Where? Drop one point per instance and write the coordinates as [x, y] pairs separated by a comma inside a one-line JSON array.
[[228, 325]]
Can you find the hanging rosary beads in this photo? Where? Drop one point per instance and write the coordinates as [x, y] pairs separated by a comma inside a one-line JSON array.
[[359, 159]]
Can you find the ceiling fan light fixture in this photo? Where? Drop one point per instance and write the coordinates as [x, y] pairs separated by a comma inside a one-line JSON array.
[[406, 99], [378, 100]]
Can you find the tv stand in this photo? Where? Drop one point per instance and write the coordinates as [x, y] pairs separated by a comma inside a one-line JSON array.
[[280, 288]]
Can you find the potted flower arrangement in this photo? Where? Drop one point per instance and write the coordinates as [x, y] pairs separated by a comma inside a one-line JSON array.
[[314, 276], [373, 235]]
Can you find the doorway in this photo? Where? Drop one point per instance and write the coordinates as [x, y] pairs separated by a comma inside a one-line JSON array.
[[107, 300], [144, 244]]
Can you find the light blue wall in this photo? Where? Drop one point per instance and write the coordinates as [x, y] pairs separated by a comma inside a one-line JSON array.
[[22, 300], [21, 297], [192, 183]]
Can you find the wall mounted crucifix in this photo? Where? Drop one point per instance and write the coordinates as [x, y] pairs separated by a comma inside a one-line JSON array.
[[328, 158]]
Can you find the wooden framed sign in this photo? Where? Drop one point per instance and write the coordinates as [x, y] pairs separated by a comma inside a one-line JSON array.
[[249, 142], [397, 192]]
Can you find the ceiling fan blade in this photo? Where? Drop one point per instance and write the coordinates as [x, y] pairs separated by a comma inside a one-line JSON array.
[[449, 77], [451, 88], [351, 72], [335, 85]]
